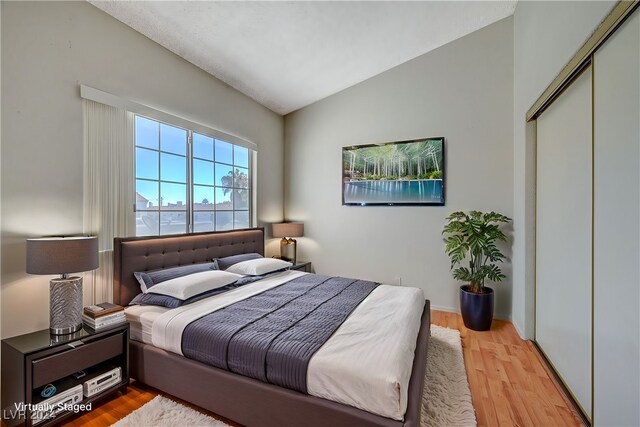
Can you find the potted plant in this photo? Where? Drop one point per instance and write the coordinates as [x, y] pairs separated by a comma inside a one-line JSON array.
[[472, 237]]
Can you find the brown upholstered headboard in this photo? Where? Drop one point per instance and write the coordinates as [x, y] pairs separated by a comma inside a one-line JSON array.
[[152, 253]]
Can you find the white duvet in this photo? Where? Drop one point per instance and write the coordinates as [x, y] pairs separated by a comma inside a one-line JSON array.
[[366, 363]]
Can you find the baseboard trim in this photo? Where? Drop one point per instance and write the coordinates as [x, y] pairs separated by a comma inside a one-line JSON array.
[[443, 308], [518, 329], [498, 316]]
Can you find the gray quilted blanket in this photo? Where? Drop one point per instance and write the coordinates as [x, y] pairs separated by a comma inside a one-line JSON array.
[[273, 335]]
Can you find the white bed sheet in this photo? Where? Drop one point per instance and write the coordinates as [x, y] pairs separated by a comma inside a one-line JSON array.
[[366, 363], [141, 318]]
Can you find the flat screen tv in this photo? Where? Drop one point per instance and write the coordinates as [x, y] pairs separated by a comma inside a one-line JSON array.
[[402, 173]]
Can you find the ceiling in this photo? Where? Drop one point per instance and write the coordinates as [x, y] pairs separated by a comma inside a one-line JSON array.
[[287, 55]]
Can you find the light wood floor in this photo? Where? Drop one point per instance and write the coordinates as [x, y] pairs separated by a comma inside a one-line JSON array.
[[510, 384]]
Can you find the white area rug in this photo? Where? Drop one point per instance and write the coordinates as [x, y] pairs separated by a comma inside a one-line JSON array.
[[447, 397], [446, 401], [161, 411]]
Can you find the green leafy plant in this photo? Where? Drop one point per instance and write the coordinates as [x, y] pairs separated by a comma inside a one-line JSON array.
[[472, 236]]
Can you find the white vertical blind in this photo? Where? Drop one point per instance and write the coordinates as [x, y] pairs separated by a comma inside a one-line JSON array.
[[617, 228], [108, 188], [564, 237]]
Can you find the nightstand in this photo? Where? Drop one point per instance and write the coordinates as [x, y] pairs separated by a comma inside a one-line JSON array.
[[30, 362], [302, 266]]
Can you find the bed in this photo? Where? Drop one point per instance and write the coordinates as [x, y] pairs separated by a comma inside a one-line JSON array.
[[239, 398]]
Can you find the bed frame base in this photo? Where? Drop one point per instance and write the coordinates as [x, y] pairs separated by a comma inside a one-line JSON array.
[[241, 399]]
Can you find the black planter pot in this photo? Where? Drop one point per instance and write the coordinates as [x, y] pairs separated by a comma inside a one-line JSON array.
[[476, 309]]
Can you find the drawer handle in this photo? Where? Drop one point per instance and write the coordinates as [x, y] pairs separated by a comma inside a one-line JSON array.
[[75, 344]]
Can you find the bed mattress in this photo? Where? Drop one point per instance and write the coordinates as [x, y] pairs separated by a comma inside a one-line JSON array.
[[141, 318], [366, 363]]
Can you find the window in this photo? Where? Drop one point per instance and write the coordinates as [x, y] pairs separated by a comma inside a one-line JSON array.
[[187, 181]]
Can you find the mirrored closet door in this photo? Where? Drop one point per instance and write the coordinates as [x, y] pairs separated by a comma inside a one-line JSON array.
[[587, 294]]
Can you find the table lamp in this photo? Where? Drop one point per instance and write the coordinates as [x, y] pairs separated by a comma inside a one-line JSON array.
[[63, 255], [288, 246]]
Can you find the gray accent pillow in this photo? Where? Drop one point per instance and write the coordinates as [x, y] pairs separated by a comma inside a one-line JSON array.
[[149, 278], [226, 262], [172, 302]]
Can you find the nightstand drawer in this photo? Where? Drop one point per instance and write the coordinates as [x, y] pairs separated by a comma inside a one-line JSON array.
[[52, 368]]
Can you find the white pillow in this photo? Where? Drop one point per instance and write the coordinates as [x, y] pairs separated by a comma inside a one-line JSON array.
[[186, 287], [258, 266]]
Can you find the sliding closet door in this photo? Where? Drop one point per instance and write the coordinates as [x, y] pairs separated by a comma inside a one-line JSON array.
[[617, 228], [564, 237]]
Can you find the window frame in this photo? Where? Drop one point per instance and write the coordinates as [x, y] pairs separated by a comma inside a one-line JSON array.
[[189, 158]]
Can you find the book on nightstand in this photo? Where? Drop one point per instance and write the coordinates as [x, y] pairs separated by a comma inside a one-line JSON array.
[[103, 315], [102, 309]]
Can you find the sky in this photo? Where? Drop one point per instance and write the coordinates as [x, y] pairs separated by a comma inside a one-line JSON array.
[[161, 152]]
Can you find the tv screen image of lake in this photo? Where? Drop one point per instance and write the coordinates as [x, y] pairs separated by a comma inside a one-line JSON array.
[[394, 191], [394, 173]]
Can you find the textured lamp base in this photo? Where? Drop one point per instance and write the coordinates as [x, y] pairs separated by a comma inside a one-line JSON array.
[[65, 305]]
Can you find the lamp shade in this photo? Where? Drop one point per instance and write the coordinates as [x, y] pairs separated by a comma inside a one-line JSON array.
[[288, 229], [62, 255]]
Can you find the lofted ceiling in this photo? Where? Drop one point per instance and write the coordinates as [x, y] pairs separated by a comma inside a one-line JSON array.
[[287, 55]]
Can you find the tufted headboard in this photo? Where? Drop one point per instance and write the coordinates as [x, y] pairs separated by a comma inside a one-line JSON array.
[[131, 254]]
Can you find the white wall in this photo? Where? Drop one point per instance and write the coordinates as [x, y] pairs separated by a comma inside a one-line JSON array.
[[462, 91], [48, 49], [546, 36]]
